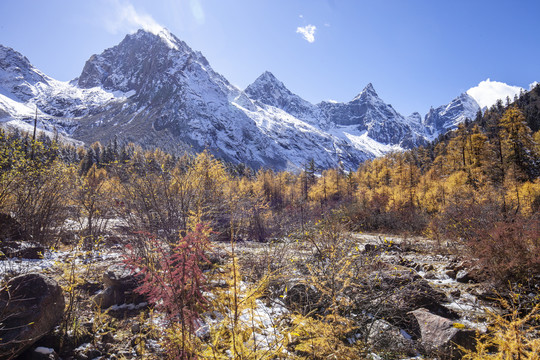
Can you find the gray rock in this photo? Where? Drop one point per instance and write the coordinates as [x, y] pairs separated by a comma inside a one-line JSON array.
[[383, 336], [451, 274], [120, 284], [119, 276], [441, 336], [108, 297], [463, 276], [30, 307]]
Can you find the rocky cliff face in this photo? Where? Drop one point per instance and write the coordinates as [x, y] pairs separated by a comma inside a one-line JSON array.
[[268, 90], [448, 117], [25, 92], [381, 122]]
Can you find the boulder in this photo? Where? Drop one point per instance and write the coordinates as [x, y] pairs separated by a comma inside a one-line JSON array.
[[440, 335], [383, 336], [463, 276], [393, 294], [120, 276], [412, 296], [303, 298], [108, 297], [120, 284], [30, 306], [451, 274], [22, 250], [470, 272], [11, 229]]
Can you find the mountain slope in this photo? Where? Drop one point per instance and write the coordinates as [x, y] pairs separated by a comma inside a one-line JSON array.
[[154, 90], [177, 99], [26, 92], [448, 117], [380, 121]]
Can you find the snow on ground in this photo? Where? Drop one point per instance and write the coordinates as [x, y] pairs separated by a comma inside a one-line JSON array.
[[50, 260], [266, 320]]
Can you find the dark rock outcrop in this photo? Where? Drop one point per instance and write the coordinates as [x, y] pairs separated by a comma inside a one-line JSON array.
[[304, 298], [30, 306], [21, 250], [120, 284], [11, 229]]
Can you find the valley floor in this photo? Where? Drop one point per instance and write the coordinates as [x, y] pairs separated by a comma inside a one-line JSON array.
[[367, 287]]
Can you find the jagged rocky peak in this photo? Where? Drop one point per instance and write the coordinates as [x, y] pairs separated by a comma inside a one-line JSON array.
[[136, 61], [163, 34], [268, 90], [267, 77], [415, 117], [17, 74], [369, 91], [449, 116]]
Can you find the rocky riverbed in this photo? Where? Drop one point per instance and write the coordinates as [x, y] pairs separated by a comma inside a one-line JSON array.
[[409, 297]]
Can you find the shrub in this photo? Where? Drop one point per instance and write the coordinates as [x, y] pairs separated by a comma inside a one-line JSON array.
[[511, 335], [510, 250], [173, 281]]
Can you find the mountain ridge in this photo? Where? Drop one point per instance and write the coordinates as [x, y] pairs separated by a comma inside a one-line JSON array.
[[155, 90]]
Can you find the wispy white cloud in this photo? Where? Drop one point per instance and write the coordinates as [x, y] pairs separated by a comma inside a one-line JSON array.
[[532, 85], [197, 11], [123, 17], [308, 32], [487, 92]]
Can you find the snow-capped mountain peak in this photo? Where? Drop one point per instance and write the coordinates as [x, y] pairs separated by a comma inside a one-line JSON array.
[[367, 92], [153, 89], [168, 38], [17, 76], [449, 116], [268, 90], [26, 92]]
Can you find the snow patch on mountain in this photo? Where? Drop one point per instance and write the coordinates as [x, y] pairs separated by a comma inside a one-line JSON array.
[[153, 89], [26, 92], [267, 89], [448, 117]]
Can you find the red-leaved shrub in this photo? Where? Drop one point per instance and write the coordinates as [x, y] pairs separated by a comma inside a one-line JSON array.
[[173, 282]]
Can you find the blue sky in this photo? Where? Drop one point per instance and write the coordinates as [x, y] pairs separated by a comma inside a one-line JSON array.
[[416, 53]]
